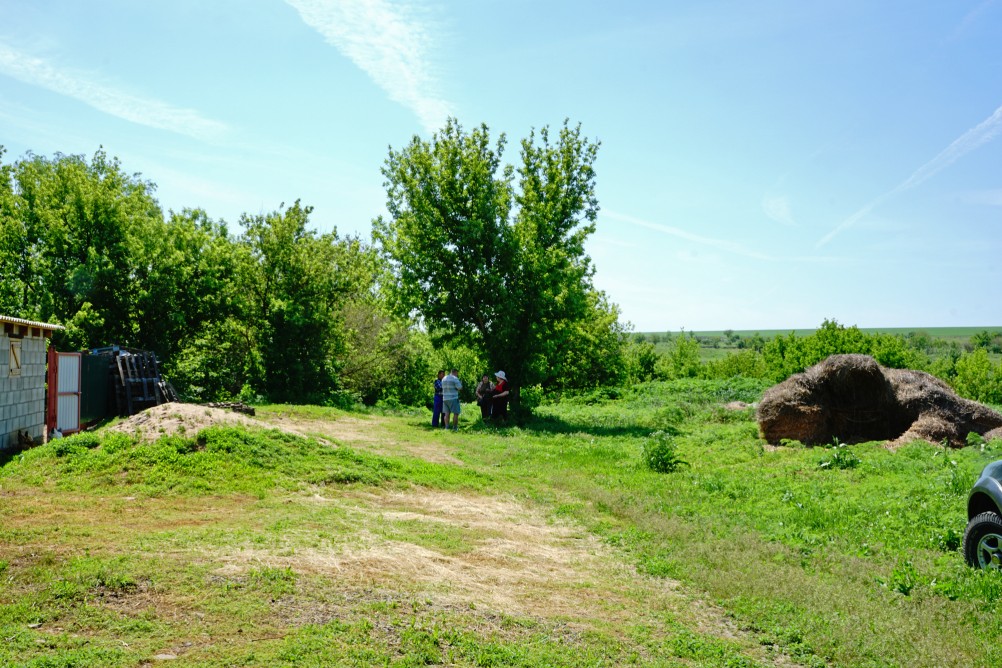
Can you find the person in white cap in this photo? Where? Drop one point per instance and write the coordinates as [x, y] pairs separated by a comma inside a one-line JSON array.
[[499, 411]]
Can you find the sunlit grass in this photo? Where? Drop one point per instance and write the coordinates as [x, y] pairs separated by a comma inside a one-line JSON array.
[[221, 548]]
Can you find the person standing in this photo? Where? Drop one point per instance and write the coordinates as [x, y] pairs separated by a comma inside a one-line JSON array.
[[499, 407], [436, 411], [451, 385], [485, 391]]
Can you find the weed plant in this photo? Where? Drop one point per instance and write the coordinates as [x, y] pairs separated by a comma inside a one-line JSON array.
[[660, 453]]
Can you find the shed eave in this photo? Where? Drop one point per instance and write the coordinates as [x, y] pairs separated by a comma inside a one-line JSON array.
[[4, 319]]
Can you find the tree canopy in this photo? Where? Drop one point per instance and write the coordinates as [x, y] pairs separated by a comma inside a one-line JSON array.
[[494, 257], [277, 310], [484, 259]]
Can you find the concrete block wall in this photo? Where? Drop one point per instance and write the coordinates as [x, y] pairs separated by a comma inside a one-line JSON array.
[[22, 398]]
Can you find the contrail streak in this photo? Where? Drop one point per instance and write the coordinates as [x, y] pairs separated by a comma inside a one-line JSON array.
[[977, 136]]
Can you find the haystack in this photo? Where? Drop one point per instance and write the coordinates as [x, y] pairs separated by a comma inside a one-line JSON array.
[[854, 399]]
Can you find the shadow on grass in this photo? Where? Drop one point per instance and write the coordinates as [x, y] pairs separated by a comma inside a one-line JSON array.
[[7, 455]]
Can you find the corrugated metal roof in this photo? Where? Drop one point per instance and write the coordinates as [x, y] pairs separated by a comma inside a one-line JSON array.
[[29, 323]]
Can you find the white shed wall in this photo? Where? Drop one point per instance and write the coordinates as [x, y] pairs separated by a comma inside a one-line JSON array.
[[22, 398]]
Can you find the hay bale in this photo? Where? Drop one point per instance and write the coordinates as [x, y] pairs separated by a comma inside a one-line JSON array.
[[854, 399]]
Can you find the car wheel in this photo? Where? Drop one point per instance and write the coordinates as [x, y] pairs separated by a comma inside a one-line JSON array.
[[983, 541]]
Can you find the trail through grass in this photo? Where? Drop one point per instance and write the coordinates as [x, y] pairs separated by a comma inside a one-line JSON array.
[[373, 540]]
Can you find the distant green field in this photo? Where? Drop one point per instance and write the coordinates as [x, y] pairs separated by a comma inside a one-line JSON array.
[[936, 332], [715, 345], [959, 333]]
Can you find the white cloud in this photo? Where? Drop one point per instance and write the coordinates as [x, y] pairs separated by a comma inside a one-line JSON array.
[[778, 209], [390, 43], [977, 136], [85, 88]]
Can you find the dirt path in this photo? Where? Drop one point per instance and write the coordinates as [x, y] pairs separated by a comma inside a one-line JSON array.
[[522, 561], [455, 550], [368, 432]]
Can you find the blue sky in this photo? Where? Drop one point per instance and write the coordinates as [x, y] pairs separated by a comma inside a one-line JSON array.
[[764, 165]]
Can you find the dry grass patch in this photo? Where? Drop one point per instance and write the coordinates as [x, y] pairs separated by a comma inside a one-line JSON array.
[[369, 433], [515, 563]]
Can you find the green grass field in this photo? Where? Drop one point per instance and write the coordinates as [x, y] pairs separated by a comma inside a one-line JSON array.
[[714, 344], [949, 333], [367, 539]]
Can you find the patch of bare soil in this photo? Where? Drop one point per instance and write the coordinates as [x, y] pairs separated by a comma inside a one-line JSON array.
[[181, 418], [345, 429], [174, 418], [365, 433]]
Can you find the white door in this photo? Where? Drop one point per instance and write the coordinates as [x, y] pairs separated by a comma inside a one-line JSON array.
[[68, 393]]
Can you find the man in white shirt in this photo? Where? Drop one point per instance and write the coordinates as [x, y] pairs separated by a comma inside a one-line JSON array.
[[451, 385]]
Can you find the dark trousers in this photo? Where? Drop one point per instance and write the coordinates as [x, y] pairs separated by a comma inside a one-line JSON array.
[[436, 412], [499, 410], [485, 408]]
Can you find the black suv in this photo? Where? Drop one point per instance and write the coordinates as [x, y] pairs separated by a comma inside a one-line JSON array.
[[983, 537]]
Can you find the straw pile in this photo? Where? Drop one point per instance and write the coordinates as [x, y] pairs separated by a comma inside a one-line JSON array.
[[854, 399]]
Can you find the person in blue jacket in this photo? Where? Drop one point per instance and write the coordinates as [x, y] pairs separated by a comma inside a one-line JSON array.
[[436, 411]]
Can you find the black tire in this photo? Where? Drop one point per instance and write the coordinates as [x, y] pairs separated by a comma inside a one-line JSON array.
[[983, 541]]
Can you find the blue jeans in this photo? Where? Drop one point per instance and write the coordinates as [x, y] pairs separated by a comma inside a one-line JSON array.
[[436, 412]]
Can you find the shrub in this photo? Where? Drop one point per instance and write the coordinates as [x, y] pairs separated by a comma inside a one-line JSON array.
[[978, 378], [531, 396], [681, 360], [747, 363], [641, 359], [661, 454]]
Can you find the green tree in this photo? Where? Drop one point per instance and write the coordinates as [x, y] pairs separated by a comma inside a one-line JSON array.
[[681, 359], [487, 264], [978, 378], [593, 354], [990, 341], [13, 246], [185, 281], [66, 253], [641, 360], [786, 355], [297, 284], [384, 358]]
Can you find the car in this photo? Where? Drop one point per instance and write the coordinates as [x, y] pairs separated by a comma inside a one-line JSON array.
[[983, 536]]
